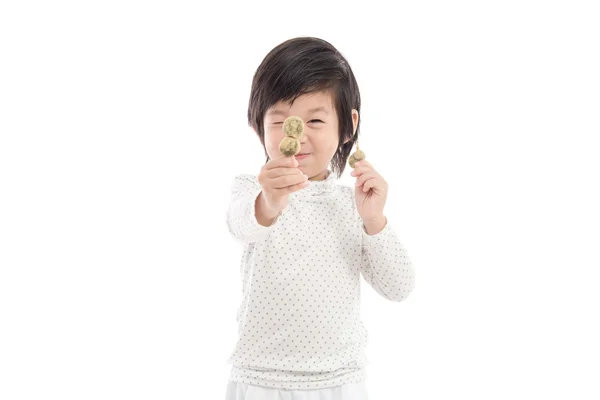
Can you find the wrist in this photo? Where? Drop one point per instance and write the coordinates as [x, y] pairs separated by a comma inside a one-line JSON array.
[[264, 213], [375, 225]]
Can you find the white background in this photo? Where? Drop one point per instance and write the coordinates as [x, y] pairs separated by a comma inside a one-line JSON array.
[[123, 124]]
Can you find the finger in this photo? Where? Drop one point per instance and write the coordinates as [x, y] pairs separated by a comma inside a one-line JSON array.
[[296, 187], [282, 171], [364, 177], [371, 183], [363, 163], [360, 169], [377, 184], [285, 161], [290, 189], [272, 173], [285, 181], [272, 178]]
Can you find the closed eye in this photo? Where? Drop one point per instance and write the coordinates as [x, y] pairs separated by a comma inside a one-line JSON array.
[[312, 120]]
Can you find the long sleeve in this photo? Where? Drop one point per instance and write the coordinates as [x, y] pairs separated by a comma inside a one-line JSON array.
[[386, 265], [241, 217]]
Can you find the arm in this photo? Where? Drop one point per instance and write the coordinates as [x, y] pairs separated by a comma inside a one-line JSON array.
[[385, 263], [247, 217]]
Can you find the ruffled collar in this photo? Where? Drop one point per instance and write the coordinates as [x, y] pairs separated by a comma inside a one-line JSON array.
[[316, 188]]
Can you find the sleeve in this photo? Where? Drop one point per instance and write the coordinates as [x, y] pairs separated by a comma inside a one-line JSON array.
[[241, 214], [385, 264]]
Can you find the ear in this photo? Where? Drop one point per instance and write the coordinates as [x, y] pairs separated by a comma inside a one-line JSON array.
[[354, 124], [354, 121]]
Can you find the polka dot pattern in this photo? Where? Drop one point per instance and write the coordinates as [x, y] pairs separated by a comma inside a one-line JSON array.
[[299, 320]]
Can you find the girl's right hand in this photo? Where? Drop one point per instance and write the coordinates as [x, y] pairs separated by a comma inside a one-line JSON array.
[[279, 178]]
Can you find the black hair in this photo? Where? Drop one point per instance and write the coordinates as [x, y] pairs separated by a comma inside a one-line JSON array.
[[300, 66]]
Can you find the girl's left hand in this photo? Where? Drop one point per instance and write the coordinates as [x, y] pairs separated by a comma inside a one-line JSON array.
[[370, 191]]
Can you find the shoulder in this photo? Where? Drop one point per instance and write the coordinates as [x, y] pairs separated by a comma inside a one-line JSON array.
[[246, 177], [345, 190], [245, 182], [347, 194]]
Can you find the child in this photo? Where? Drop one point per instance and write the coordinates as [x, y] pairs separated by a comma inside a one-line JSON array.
[[306, 238]]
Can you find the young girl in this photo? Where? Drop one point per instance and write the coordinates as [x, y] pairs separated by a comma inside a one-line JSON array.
[[307, 239]]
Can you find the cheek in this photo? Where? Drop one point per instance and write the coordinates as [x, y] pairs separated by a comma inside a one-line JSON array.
[[328, 141], [273, 137]]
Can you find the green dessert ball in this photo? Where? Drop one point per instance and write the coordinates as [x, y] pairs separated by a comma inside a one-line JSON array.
[[356, 157], [289, 146], [293, 127]]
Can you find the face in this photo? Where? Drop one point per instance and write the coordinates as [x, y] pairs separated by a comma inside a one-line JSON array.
[[320, 139]]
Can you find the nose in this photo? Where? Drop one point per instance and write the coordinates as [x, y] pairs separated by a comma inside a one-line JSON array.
[[303, 138]]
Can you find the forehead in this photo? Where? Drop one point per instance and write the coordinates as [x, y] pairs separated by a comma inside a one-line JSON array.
[[307, 103]]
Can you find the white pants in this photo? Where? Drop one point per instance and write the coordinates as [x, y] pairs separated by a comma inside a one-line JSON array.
[[244, 391]]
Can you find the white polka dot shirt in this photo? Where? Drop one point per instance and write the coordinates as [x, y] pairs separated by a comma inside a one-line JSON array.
[[299, 320]]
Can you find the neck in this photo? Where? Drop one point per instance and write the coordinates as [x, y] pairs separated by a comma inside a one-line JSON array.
[[320, 176]]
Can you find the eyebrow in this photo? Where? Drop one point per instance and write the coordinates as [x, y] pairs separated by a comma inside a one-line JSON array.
[[311, 111], [317, 109]]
